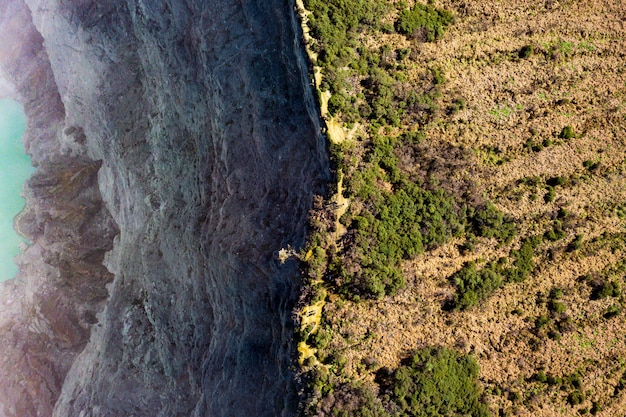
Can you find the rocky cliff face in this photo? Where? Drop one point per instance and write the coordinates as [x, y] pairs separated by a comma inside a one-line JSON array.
[[183, 136]]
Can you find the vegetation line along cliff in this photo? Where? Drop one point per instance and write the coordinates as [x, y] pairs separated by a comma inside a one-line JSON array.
[[472, 258]]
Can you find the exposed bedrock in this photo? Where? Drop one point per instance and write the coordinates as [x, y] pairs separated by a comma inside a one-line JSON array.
[[203, 125], [47, 311]]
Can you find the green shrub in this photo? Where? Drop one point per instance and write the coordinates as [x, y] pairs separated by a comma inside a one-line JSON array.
[[336, 25], [488, 221], [556, 232], [555, 181], [606, 289], [576, 244], [612, 311], [591, 165], [395, 226], [549, 195], [567, 133], [438, 77], [434, 382], [523, 261], [392, 225], [424, 22], [475, 285], [575, 397], [556, 306], [531, 145], [540, 377], [438, 382], [320, 339], [541, 321], [556, 293], [554, 334], [526, 51]]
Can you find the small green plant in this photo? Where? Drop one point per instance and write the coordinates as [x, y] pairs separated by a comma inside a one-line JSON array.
[[567, 133], [576, 244], [575, 397], [591, 165], [564, 47], [501, 112], [612, 311], [556, 307], [526, 51]]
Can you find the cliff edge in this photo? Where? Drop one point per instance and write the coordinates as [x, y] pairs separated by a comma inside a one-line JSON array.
[[178, 144]]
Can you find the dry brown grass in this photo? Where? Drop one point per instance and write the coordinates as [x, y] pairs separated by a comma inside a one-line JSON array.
[[574, 77]]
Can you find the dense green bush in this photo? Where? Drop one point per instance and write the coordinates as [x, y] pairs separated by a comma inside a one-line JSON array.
[[575, 397], [475, 285], [488, 221], [438, 382], [394, 224], [424, 21], [556, 232], [523, 261], [335, 25], [434, 382]]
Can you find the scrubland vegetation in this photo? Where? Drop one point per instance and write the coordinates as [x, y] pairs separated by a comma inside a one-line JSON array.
[[478, 269]]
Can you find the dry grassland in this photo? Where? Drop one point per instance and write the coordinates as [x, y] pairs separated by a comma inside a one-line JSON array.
[[575, 76]]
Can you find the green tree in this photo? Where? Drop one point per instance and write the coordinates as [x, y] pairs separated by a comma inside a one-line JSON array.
[[438, 382]]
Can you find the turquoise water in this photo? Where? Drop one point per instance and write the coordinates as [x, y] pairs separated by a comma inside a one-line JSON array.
[[15, 168]]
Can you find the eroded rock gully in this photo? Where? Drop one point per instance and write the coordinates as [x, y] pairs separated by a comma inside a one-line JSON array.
[[178, 143]]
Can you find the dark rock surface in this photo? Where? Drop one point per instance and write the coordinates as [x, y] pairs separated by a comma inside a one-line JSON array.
[[184, 136]]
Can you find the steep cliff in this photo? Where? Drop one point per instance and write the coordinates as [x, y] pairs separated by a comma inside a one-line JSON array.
[[184, 136]]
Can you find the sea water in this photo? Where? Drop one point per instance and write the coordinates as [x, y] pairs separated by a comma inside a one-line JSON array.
[[15, 168]]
